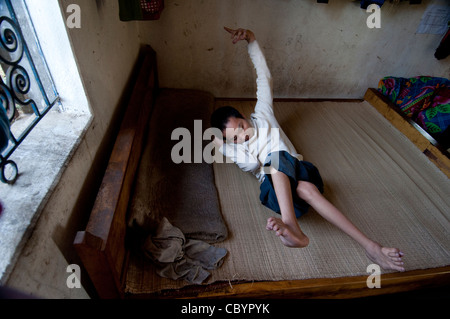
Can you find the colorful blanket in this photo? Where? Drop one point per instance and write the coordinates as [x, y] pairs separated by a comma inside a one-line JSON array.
[[426, 100]]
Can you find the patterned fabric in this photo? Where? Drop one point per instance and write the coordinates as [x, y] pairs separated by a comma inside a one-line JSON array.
[[426, 100]]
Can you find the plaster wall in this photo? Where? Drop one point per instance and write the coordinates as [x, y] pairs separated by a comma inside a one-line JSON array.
[[314, 50]]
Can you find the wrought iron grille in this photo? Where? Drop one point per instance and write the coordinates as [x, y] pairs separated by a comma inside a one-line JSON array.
[[27, 92]]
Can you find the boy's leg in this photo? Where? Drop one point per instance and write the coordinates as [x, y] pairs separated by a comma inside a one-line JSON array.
[[387, 258], [287, 228]]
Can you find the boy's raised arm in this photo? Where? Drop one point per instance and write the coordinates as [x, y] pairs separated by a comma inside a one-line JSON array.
[[264, 78]]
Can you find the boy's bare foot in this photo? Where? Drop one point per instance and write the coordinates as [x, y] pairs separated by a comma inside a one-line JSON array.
[[291, 236], [386, 258]]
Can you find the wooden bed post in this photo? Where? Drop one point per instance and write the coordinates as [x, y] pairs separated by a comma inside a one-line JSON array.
[[101, 246]]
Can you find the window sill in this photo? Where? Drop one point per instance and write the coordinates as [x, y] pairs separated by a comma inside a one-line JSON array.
[[40, 169]]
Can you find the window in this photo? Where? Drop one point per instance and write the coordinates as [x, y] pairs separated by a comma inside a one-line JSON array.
[[26, 88], [45, 151]]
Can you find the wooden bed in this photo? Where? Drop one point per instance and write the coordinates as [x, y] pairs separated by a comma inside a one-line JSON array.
[[424, 141], [105, 254]]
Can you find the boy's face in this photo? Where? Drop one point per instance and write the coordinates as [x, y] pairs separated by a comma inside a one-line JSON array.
[[238, 131]]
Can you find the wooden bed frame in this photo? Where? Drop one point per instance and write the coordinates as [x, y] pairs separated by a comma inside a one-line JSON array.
[[424, 141], [102, 245]]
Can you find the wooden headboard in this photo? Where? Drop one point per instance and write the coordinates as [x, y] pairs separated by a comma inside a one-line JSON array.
[[101, 246]]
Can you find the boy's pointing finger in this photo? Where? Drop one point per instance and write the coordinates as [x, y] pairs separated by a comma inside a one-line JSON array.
[[229, 30]]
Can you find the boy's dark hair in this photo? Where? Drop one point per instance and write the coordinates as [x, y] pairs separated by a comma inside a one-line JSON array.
[[220, 117]]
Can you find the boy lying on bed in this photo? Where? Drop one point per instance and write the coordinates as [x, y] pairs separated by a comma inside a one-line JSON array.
[[289, 185]]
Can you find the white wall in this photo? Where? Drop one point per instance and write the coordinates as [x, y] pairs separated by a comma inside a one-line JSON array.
[[313, 50], [57, 50]]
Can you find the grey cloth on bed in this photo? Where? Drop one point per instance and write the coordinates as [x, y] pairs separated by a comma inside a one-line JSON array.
[[185, 193], [178, 258]]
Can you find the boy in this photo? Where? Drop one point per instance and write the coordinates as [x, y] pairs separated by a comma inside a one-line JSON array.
[[288, 184]]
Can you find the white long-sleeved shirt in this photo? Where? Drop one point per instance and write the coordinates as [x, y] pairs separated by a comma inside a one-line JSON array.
[[268, 136]]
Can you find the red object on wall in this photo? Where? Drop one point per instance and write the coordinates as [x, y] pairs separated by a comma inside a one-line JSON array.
[[151, 9]]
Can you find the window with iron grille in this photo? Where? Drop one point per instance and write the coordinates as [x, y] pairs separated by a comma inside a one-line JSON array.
[[27, 91], [46, 107]]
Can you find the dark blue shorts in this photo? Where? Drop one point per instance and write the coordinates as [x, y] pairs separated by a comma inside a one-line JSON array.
[[296, 171]]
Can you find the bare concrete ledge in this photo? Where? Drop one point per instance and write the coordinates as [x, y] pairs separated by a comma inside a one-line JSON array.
[[41, 159]]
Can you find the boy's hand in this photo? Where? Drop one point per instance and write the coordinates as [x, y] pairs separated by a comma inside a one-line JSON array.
[[241, 34]]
